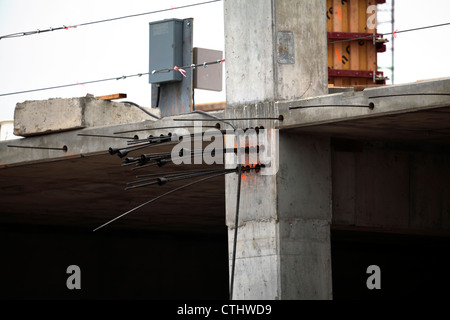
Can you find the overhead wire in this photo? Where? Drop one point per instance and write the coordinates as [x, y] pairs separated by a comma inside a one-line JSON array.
[[181, 69], [37, 31], [64, 27], [391, 33], [175, 68]]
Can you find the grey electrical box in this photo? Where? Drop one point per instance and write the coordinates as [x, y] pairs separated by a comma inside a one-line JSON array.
[[166, 50]]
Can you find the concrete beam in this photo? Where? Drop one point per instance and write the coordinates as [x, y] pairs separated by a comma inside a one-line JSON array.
[[386, 100], [56, 115], [78, 144]]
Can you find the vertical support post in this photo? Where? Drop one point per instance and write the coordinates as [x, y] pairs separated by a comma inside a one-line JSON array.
[[276, 50]]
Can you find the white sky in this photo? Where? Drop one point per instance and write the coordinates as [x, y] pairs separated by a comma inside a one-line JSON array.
[[91, 52], [120, 47], [422, 54]]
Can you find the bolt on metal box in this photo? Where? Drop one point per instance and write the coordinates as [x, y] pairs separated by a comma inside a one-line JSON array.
[[166, 50]]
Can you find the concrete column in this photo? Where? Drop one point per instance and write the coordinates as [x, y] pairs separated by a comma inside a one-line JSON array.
[[304, 217], [276, 50]]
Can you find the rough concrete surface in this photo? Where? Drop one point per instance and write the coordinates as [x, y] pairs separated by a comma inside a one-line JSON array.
[[56, 115]]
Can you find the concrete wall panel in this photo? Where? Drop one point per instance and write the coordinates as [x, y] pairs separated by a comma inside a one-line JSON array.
[[392, 188], [382, 188], [430, 191], [344, 188]]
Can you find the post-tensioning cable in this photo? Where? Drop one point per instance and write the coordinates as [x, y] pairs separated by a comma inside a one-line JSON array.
[[391, 33], [163, 128], [280, 118], [64, 148], [370, 106], [175, 68], [159, 197], [50, 29], [238, 197], [165, 179]]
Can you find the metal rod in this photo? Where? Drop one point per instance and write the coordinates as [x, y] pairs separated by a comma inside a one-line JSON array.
[[148, 157], [64, 148], [122, 152], [106, 136], [159, 197], [155, 156], [409, 94], [172, 172], [280, 118], [186, 153], [176, 178], [142, 109], [189, 173], [236, 225], [162, 128], [182, 155], [193, 175], [152, 139], [331, 105], [192, 135], [236, 219], [166, 175], [159, 163]]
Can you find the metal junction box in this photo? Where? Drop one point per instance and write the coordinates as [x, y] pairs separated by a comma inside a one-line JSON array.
[[166, 50]]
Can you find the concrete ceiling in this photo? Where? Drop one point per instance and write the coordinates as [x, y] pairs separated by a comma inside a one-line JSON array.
[[84, 188], [430, 126], [85, 192]]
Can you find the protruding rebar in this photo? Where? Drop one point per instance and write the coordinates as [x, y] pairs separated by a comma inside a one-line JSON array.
[[64, 148], [136, 137], [159, 197]]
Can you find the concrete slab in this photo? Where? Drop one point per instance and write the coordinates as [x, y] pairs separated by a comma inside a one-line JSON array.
[[368, 104], [57, 115]]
